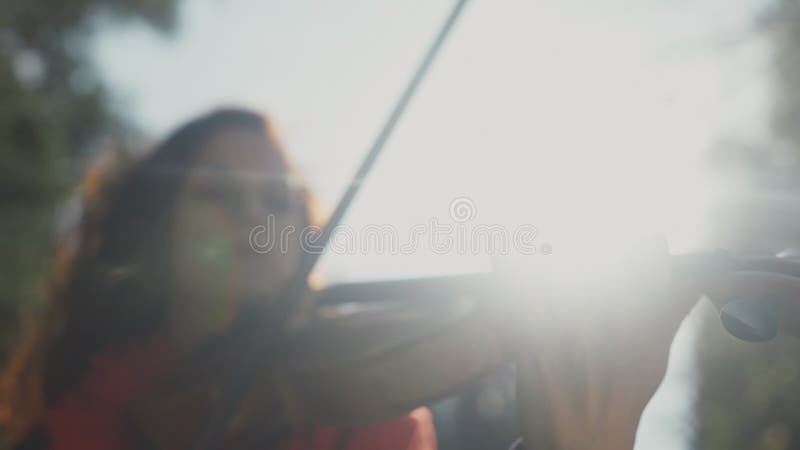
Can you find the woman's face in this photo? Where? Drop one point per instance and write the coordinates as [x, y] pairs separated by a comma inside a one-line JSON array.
[[234, 200]]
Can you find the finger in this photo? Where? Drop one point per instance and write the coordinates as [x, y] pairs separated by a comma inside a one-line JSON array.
[[670, 308], [656, 297]]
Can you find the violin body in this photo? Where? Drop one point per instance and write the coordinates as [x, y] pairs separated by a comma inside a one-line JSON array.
[[370, 352]]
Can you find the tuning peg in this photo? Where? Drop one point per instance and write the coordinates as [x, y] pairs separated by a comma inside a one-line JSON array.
[[754, 320], [750, 320]]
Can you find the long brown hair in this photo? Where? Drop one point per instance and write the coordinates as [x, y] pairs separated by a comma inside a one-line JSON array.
[[94, 300]]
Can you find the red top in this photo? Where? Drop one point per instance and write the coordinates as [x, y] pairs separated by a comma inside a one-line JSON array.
[[91, 416]]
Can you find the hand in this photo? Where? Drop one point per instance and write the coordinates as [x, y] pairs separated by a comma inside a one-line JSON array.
[[591, 351]]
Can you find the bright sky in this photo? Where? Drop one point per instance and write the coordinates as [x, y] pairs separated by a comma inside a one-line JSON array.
[[585, 118]]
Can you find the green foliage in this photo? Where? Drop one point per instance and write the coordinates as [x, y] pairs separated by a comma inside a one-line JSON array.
[[783, 25], [749, 394], [52, 113]]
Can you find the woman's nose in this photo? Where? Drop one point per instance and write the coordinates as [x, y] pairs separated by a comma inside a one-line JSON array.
[[254, 209]]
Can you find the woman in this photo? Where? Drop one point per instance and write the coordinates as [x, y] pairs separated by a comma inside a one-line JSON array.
[[161, 269], [159, 264]]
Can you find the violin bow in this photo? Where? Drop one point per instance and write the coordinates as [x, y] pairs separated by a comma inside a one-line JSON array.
[[266, 342]]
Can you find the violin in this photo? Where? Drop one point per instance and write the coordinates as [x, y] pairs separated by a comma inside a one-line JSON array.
[[375, 350]]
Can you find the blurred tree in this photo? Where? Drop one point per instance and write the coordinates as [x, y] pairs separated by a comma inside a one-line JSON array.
[[775, 163], [52, 111], [783, 24], [749, 394]]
